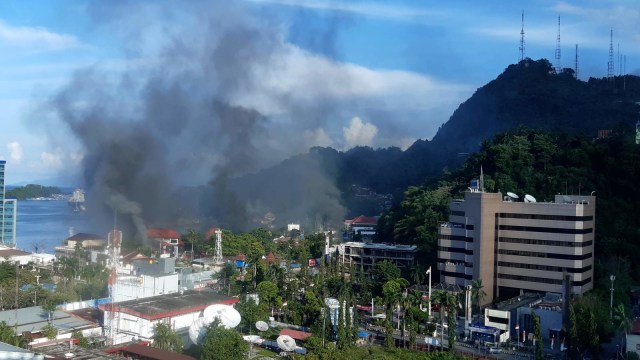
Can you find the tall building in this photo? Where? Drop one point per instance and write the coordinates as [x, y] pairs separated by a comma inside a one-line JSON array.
[[518, 246], [8, 211]]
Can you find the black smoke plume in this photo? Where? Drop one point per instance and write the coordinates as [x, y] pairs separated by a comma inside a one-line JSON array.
[[169, 118]]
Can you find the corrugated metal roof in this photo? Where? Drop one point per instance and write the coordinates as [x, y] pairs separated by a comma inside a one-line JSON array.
[[33, 319]]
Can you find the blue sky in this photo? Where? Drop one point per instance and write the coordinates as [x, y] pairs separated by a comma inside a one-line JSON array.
[[391, 72]]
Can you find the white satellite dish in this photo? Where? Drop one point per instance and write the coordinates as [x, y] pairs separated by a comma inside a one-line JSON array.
[[198, 329], [530, 199], [262, 326], [254, 339], [227, 315], [286, 343], [512, 195]]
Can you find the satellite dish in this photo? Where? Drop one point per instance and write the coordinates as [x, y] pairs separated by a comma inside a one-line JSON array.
[[227, 315], [530, 199], [512, 195], [286, 343], [198, 329], [252, 338], [262, 326]]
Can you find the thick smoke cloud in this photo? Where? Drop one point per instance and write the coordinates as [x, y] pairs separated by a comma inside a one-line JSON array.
[[179, 115]]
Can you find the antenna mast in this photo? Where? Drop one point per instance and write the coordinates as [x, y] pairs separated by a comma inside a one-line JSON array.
[[575, 73], [522, 39], [217, 258], [610, 63], [558, 63]]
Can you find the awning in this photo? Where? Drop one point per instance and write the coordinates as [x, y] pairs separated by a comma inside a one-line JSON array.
[[363, 334]]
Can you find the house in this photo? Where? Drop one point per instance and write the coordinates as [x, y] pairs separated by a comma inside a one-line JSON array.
[[84, 241], [166, 241], [296, 334], [136, 319], [361, 228]]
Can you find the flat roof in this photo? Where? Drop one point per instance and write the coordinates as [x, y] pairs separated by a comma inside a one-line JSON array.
[[151, 353], [34, 318], [380, 246], [170, 305], [12, 252], [518, 301]]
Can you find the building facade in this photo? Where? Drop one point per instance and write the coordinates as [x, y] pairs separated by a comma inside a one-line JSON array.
[[515, 246], [363, 256], [8, 212]]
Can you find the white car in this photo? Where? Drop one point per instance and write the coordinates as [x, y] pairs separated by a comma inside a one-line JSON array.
[[495, 350]]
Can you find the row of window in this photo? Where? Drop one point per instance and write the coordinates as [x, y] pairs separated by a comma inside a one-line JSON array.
[[455, 274], [544, 255], [546, 229], [545, 217], [463, 226], [449, 261], [498, 320], [457, 213], [545, 242], [542, 280], [544, 267], [455, 250], [456, 237]]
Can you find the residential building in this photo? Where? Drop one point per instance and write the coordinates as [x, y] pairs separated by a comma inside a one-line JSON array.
[[361, 228], [166, 241], [8, 213], [148, 278], [136, 319], [83, 241], [515, 246], [365, 255]]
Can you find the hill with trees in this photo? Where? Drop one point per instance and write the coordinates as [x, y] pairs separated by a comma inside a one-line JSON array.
[[32, 191], [529, 94]]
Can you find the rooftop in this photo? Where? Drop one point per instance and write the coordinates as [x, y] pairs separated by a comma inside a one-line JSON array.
[[34, 318], [169, 305], [154, 233], [151, 353], [362, 220], [12, 252], [85, 236], [519, 301], [380, 246], [295, 334]]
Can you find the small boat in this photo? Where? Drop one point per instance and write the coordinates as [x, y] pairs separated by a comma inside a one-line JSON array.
[[77, 200]]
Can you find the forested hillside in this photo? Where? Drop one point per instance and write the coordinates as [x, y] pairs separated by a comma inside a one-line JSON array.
[[526, 94], [542, 164]]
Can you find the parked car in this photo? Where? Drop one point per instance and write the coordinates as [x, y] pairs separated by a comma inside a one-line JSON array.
[[495, 350]]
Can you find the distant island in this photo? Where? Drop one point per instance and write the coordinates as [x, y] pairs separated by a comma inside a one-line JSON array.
[[36, 192]]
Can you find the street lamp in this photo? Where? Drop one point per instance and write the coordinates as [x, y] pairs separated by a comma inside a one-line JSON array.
[[612, 277], [429, 309]]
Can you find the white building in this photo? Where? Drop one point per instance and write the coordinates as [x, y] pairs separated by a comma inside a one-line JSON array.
[[149, 278], [136, 319]]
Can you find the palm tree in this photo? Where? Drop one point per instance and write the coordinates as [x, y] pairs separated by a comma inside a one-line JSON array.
[[439, 298], [166, 339], [623, 320], [477, 294], [49, 307], [417, 273]]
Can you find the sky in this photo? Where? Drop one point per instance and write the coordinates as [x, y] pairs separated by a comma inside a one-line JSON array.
[[386, 72]]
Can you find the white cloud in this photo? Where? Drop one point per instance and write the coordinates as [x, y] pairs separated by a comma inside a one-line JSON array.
[[15, 151], [35, 37], [317, 137], [359, 133], [53, 159]]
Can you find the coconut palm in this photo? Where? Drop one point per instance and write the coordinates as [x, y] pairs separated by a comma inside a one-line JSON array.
[[417, 273], [477, 294], [622, 320]]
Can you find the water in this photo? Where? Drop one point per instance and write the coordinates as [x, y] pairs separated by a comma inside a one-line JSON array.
[[45, 224]]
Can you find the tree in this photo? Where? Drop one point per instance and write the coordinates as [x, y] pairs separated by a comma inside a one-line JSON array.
[[220, 343], [537, 333], [7, 334], [166, 339], [391, 291], [418, 273], [477, 292], [49, 331], [268, 293], [623, 320], [49, 307]]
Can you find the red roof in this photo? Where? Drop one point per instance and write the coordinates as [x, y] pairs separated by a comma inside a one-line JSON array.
[[210, 233], [162, 234], [635, 327], [295, 334], [362, 220]]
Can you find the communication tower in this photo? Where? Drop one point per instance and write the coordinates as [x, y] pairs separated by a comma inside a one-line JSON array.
[[114, 240], [610, 63], [522, 39], [638, 131], [575, 73], [217, 258], [558, 63]]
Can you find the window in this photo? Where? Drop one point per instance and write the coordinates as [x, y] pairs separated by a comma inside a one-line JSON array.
[[546, 229], [545, 217]]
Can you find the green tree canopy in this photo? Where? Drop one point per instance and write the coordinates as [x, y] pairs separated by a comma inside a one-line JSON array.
[[223, 344]]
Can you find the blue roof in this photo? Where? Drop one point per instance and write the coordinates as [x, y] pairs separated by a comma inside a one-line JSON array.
[[362, 333]]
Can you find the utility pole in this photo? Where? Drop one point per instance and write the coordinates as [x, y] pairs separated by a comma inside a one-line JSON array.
[[612, 277]]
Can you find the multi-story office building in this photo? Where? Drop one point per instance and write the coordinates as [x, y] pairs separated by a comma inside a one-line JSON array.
[[516, 246], [8, 210], [365, 255]]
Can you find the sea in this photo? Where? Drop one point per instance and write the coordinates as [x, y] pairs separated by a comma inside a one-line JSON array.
[[44, 224]]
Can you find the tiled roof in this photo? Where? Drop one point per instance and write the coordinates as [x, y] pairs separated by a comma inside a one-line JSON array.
[[210, 233], [85, 236], [12, 252], [295, 334], [362, 220], [153, 233], [148, 352]]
